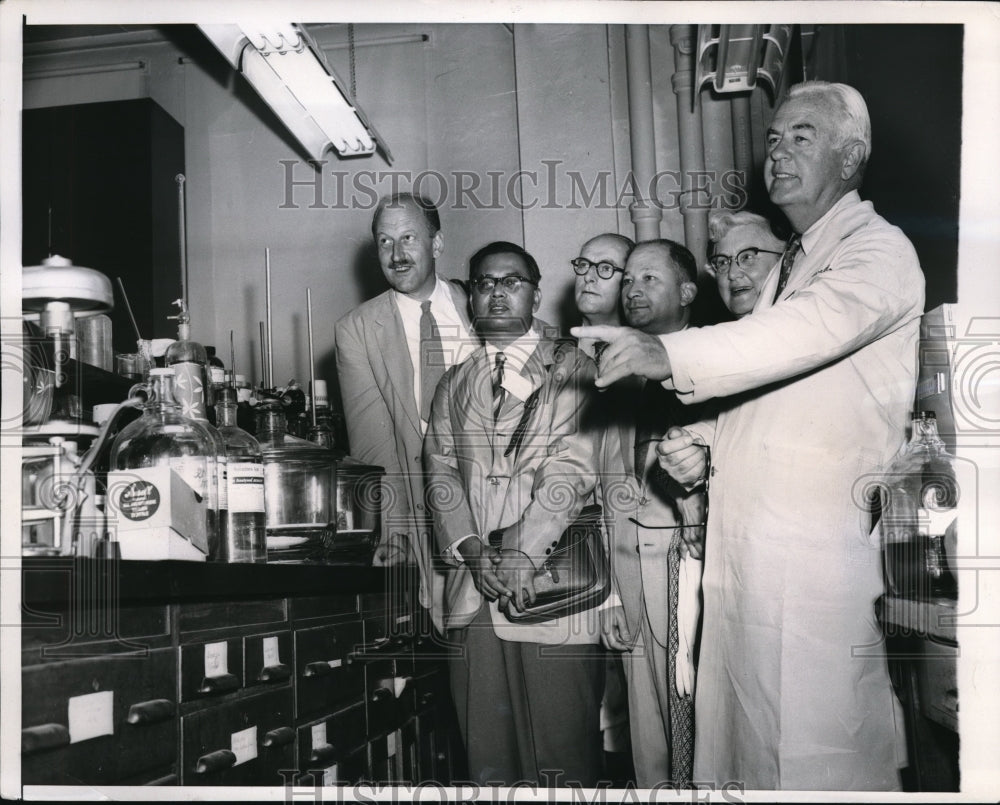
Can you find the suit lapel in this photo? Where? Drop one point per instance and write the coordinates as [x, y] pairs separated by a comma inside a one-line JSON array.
[[391, 340]]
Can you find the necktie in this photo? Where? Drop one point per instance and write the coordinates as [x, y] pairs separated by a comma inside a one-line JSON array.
[[787, 260], [499, 392], [650, 421], [431, 358]]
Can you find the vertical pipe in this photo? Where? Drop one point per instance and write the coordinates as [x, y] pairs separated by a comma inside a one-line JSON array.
[[312, 359], [694, 199], [742, 143], [645, 210], [182, 237], [267, 293]]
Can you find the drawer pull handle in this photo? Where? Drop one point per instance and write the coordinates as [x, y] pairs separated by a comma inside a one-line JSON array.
[[44, 736], [220, 760], [219, 684], [151, 712], [275, 673], [323, 754], [317, 669], [279, 736], [426, 699]]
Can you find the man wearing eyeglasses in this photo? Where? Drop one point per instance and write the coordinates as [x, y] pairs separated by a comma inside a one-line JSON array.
[[744, 250], [597, 289], [653, 616], [793, 688], [509, 468]]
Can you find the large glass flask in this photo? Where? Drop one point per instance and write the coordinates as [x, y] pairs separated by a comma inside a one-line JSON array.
[[163, 436], [919, 516], [241, 495]]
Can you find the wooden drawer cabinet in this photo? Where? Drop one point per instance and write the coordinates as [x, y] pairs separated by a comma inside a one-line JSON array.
[[244, 678], [244, 742], [126, 705]]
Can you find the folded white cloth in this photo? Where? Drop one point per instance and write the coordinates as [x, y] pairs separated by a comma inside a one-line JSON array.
[[688, 612]]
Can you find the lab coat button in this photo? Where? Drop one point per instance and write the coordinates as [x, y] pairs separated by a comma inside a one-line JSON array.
[[420, 507], [643, 500], [713, 472]]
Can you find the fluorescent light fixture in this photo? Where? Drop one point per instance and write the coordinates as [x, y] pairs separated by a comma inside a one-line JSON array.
[[287, 69]]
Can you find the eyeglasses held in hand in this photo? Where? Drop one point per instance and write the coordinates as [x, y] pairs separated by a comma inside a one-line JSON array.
[[512, 283], [605, 270], [745, 259]]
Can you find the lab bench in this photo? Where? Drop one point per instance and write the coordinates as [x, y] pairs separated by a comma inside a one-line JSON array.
[[185, 673]]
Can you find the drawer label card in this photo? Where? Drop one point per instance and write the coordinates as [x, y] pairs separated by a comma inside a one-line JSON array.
[[244, 745], [216, 659], [390, 745], [330, 775], [91, 715], [271, 652], [335, 663], [319, 735]]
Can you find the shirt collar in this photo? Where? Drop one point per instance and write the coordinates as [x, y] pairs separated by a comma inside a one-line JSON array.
[[516, 355], [813, 233], [437, 298]]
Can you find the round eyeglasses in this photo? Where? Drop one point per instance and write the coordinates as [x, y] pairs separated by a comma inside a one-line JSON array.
[[745, 258], [605, 270], [512, 283]]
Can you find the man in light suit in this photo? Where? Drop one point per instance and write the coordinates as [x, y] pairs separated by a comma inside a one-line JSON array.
[[653, 616], [509, 467], [388, 364], [793, 689]]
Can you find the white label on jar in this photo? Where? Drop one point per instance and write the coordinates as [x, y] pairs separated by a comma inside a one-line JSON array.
[[244, 745], [246, 486], [223, 483], [91, 715]]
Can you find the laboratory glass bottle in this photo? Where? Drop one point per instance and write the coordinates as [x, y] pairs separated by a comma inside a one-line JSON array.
[[919, 517], [163, 436], [189, 360], [243, 519]]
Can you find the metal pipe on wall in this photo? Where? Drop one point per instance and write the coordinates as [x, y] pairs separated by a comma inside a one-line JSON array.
[[695, 194], [645, 212], [742, 142]]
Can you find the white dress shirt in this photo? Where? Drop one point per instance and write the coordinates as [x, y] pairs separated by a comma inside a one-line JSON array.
[[457, 341]]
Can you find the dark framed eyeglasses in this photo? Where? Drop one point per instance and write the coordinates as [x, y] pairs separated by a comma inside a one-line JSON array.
[[511, 283], [605, 269], [745, 258]]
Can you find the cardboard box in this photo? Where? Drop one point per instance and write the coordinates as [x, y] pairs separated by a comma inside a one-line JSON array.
[[156, 514]]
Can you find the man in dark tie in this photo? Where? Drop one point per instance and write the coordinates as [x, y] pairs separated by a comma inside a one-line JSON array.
[[793, 689], [509, 467], [652, 618], [391, 353]]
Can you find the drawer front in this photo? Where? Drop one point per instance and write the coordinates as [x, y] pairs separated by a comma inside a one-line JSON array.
[[231, 615], [326, 675], [383, 759], [330, 740], [390, 697], [324, 606], [250, 741], [211, 669], [62, 702], [268, 659]]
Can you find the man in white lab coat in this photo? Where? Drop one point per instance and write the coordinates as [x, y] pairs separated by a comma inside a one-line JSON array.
[[793, 690]]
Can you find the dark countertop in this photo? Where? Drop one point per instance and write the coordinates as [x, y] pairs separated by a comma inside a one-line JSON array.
[[57, 579]]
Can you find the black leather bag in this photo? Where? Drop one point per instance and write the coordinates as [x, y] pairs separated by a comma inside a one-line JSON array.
[[574, 577]]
